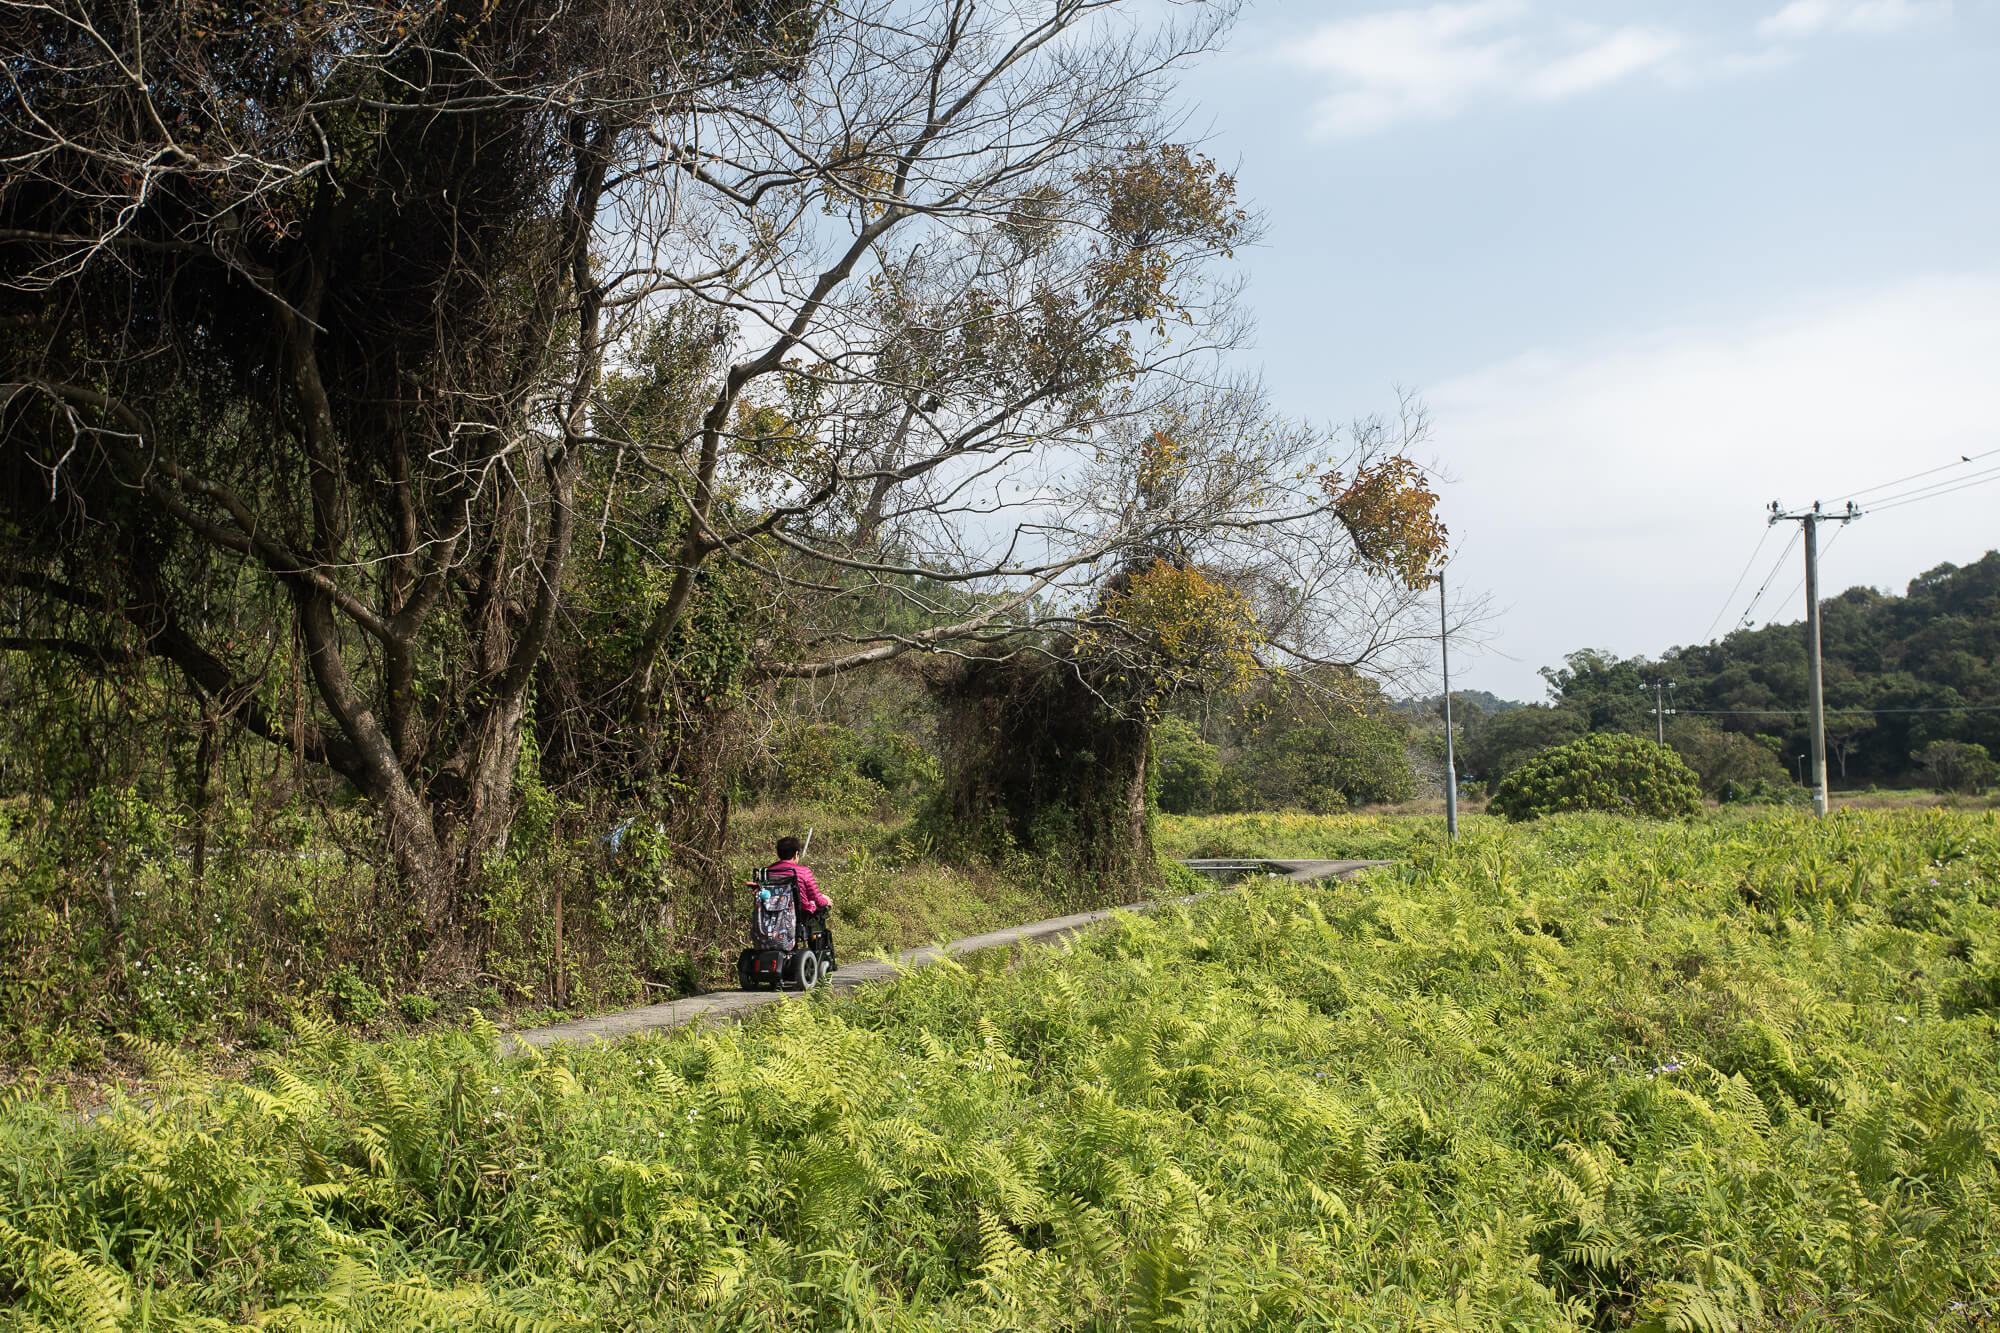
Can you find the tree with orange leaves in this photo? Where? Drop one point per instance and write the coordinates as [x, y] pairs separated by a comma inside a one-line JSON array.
[[1317, 566]]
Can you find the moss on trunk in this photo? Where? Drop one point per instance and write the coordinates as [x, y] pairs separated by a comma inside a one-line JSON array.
[[1040, 761]]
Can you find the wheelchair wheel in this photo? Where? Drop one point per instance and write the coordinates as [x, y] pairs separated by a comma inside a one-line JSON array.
[[746, 975], [808, 970]]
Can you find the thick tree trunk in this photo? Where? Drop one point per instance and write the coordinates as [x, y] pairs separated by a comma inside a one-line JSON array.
[[1040, 761]]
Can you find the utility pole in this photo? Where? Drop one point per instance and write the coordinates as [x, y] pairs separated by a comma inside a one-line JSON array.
[[1809, 521], [1659, 709], [1450, 759]]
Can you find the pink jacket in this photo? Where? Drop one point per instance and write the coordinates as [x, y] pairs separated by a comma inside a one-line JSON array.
[[810, 898]]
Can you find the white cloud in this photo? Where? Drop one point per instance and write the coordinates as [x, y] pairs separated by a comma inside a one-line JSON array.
[[1432, 61], [1609, 495], [1809, 18], [1424, 63], [1619, 55]]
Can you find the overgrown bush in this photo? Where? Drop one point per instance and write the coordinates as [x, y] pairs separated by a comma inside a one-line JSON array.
[[1618, 773], [1320, 768], [353, 999], [1323, 743], [111, 926], [840, 768], [895, 761], [1762, 792]]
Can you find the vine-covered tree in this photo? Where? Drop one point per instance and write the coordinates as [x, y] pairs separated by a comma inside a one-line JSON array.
[[305, 317]]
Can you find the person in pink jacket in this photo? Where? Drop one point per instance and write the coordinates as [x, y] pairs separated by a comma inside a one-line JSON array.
[[812, 902]]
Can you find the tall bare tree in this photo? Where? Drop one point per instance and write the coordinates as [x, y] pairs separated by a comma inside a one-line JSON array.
[[966, 315]]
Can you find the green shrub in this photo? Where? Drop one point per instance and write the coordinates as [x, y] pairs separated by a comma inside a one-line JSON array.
[[1322, 768], [1354, 761], [172, 998], [823, 763], [1619, 773], [895, 761], [416, 1008], [354, 1000], [1761, 792]]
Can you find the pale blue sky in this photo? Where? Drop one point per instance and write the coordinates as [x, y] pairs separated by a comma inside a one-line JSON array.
[[1652, 266]]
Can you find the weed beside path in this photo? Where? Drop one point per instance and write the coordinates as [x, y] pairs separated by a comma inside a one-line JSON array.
[[1579, 1074]]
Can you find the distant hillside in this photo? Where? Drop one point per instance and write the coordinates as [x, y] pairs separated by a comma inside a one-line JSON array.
[[1921, 665]]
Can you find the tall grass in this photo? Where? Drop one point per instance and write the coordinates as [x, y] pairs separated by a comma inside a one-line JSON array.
[[107, 930], [1581, 1074]]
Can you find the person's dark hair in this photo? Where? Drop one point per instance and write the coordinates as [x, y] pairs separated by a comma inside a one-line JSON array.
[[788, 847]]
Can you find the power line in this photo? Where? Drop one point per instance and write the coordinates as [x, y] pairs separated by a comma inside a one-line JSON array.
[[1856, 495], [1766, 585], [1930, 492], [1801, 712], [1935, 492], [1730, 600], [1949, 483], [1896, 500]]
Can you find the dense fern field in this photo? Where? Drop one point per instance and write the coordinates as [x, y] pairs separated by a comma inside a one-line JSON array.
[[1309, 837], [1579, 1074]]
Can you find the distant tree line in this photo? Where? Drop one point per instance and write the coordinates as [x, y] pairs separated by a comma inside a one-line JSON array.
[[1906, 680]]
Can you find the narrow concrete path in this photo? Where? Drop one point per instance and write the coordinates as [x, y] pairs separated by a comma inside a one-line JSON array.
[[733, 1006], [1230, 869]]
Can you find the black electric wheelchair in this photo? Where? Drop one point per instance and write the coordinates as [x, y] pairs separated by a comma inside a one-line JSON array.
[[788, 948]]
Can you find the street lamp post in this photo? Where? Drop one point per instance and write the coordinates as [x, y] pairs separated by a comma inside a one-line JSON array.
[[1450, 759]]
